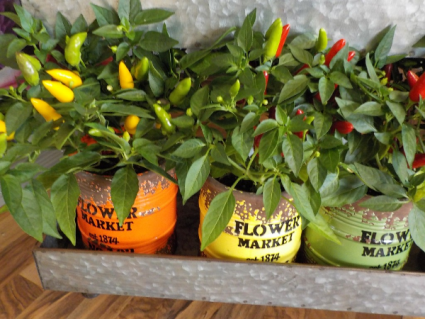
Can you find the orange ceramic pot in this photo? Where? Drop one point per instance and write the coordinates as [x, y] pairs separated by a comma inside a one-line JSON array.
[[149, 227]]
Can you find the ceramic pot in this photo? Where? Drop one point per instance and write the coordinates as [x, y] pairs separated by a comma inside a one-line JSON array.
[[149, 227], [248, 235], [369, 239]]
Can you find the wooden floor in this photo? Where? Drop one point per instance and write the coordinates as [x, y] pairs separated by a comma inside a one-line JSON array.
[[22, 296]]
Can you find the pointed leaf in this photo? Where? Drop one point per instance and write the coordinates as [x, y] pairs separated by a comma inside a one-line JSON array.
[[408, 137], [218, 216], [64, 194], [317, 173], [292, 148], [196, 176], [271, 196], [124, 189], [189, 148], [417, 226]]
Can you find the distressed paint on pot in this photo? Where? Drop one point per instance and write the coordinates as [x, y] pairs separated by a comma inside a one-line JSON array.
[[369, 239], [248, 235], [148, 229]]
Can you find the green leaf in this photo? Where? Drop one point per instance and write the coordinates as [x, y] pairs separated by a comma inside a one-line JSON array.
[[384, 138], [12, 16], [218, 153], [392, 190], [122, 109], [28, 216], [370, 108], [362, 123], [292, 148], [62, 27], [124, 189], [15, 46], [382, 203], [156, 82], [12, 192], [133, 95], [149, 16], [408, 137], [243, 142], [64, 194], [46, 208], [371, 70], [329, 159], [249, 122], [293, 87], [189, 148], [79, 25], [268, 145], [199, 99], [265, 126], [122, 51], [321, 225], [105, 16], [322, 124], [109, 31], [341, 79], [416, 222], [245, 35], [326, 89], [304, 41], [282, 73], [26, 19], [196, 176], [372, 177], [350, 190], [193, 57], [158, 42], [301, 198], [330, 185], [271, 196], [147, 149], [384, 48], [64, 133], [301, 55], [124, 9], [400, 166], [317, 173], [17, 115], [218, 216], [5, 40], [398, 110]]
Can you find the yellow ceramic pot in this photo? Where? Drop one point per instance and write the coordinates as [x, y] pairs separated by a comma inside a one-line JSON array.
[[249, 236]]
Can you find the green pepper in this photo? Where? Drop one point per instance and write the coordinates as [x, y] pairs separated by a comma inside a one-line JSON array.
[[179, 93], [3, 144], [165, 119], [28, 68], [273, 36], [73, 48], [322, 40], [234, 89], [140, 70], [95, 132]]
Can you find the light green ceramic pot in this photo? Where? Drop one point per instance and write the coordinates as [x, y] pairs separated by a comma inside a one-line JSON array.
[[369, 239]]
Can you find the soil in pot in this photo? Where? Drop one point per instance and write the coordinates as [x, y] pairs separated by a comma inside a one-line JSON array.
[[369, 239], [248, 235], [148, 229]]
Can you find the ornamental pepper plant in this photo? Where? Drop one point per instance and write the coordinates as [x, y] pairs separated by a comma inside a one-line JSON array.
[[110, 95]]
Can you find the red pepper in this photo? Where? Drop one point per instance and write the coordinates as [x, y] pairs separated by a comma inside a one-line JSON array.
[[272, 112], [285, 31], [333, 51], [418, 90], [343, 127], [419, 161], [412, 78], [388, 71], [351, 55], [107, 61], [266, 77]]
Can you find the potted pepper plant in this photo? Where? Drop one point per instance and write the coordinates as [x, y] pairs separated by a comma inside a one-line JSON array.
[[101, 95], [372, 197], [251, 166]]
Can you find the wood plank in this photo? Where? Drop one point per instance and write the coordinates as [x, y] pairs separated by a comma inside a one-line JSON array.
[[31, 273], [103, 306], [148, 308], [9, 231], [52, 304], [17, 295]]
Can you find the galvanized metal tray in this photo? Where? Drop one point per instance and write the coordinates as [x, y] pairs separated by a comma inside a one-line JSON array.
[[186, 275]]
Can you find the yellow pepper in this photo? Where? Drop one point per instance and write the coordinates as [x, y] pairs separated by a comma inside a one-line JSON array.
[[45, 110], [126, 80], [67, 77], [3, 130], [130, 123], [61, 92]]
